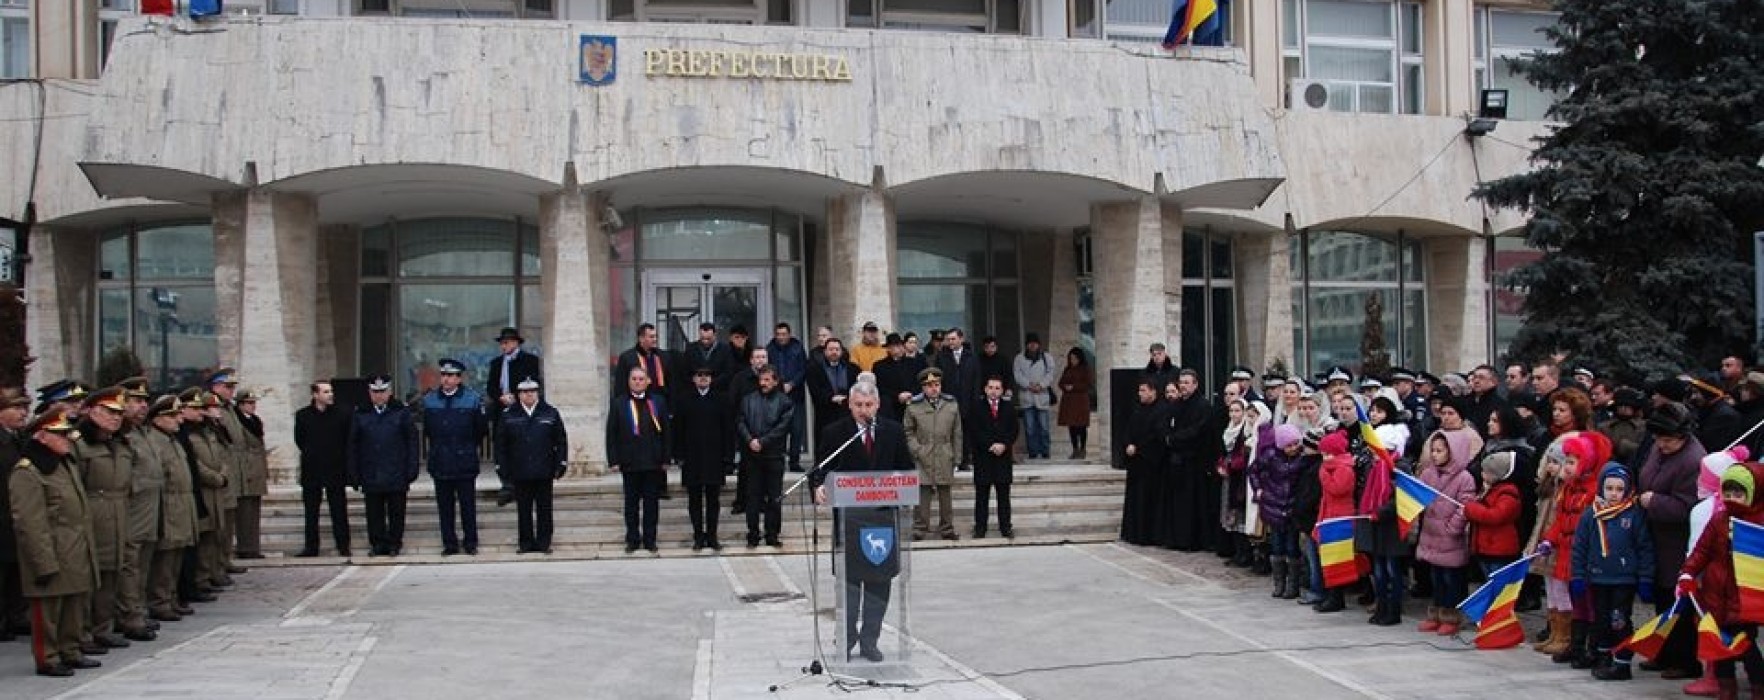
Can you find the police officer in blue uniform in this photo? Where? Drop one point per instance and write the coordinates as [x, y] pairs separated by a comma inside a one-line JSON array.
[[532, 450], [455, 423], [383, 463]]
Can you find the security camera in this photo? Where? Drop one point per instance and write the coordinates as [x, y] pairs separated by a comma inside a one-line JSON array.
[[610, 219]]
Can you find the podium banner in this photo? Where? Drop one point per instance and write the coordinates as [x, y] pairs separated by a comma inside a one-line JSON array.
[[874, 489]]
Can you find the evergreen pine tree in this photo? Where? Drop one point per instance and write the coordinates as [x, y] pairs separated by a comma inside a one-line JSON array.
[[1645, 198]]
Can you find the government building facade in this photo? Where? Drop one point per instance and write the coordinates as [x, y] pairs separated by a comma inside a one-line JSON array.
[[317, 188]]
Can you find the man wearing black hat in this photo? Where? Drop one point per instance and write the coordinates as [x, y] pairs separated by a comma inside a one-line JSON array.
[[1034, 375], [533, 450], [705, 442], [321, 433], [455, 423], [512, 365], [383, 463], [869, 349], [897, 376], [56, 559]]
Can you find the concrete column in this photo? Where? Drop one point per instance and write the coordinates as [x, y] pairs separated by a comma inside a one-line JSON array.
[[1261, 44], [1173, 292], [64, 39], [1448, 48], [573, 272], [1131, 287], [860, 261], [1264, 299], [60, 304], [1061, 332], [266, 250], [338, 301], [1457, 301]]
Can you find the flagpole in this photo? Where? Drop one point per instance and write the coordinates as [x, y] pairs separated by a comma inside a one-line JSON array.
[[1741, 438]]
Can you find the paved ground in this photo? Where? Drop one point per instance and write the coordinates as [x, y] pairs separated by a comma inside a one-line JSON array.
[[1076, 621]]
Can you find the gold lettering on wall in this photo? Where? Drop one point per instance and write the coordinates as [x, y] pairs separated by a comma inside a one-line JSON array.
[[698, 63]]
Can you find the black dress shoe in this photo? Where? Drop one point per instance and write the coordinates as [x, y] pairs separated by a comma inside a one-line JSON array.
[[56, 671], [773, 542], [698, 543], [93, 650], [977, 533], [307, 553], [236, 570], [83, 663], [450, 551], [630, 547], [752, 541], [1006, 532], [651, 548], [140, 635], [152, 624], [248, 555], [165, 616], [342, 551], [714, 544], [871, 654], [110, 641]]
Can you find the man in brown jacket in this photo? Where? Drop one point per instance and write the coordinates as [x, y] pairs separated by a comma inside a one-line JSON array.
[[179, 518], [147, 481], [222, 385], [57, 565], [254, 476], [105, 465], [934, 436]]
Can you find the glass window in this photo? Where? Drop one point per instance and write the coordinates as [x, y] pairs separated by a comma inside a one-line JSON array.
[[1083, 19], [1004, 254], [1221, 248], [1007, 319], [376, 325], [15, 46], [530, 251], [449, 320], [175, 333], [787, 306], [707, 235], [927, 306], [1363, 258], [1510, 253], [175, 252], [1348, 18], [860, 13], [114, 309], [156, 299], [1193, 352], [113, 257], [1509, 37], [455, 248], [376, 252], [1289, 24], [941, 250], [1342, 269]]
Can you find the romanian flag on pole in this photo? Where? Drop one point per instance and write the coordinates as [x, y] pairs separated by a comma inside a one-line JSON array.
[[1370, 437], [1748, 567], [1335, 549], [1412, 498], [159, 7], [1491, 607], [1196, 23], [1649, 638], [1714, 645]]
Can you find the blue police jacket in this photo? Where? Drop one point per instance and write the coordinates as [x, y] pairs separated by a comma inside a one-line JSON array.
[[383, 448], [455, 426]]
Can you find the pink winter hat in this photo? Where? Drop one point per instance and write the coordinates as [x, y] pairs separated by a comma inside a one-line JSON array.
[[1709, 480], [1286, 435]]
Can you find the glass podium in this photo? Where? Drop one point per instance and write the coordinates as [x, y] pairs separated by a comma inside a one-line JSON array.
[[872, 514]]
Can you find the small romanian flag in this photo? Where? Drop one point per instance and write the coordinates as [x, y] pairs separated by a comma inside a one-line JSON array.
[[1412, 498], [1194, 22], [1491, 607], [1335, 549], [1714, 645], [1649, 638], [1748, 567]]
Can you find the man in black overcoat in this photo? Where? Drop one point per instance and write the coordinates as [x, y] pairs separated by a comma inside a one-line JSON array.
[[705, 443]]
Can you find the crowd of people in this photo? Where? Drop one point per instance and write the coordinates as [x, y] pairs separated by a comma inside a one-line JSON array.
[[1612, 494]]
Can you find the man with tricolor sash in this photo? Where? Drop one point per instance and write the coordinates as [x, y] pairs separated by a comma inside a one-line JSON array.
[[1725, 573]]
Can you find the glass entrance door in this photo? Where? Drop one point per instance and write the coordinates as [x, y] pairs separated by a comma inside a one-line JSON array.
[[676, 301]]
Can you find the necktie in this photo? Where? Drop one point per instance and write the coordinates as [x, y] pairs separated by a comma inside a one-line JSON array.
[[995, 410], [870, 440], [507, 360]]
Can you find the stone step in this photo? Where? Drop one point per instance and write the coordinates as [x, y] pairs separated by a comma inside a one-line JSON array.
[[1051, 503]]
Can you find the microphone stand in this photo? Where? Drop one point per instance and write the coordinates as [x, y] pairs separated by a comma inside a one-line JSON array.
[[817, 665]]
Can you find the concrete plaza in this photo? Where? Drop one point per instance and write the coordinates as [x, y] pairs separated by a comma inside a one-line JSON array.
[[1073, 621]]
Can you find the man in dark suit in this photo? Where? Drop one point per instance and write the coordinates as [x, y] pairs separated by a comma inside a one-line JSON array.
[[705, 442], [639, 428], [961, 381], [883, 447], [829, 378], [897, 376], [507, 371], [321, 431], [995, 432]]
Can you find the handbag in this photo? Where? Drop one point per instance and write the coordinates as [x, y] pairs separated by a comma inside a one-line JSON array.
[[1053, 397]]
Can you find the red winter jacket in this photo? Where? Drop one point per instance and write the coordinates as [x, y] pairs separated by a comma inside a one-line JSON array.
[[1573, 497], [1712, 559], [1494, 522], [1337, 477]]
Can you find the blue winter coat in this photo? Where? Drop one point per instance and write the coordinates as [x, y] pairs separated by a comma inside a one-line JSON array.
[[455, 426], [1627, 555], [532, 447], [791, 361], [383, 449]]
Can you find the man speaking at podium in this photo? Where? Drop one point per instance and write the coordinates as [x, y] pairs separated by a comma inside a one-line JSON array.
[[869, 576]]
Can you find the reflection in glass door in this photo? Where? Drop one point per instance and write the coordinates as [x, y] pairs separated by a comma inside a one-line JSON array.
[[676, 301]]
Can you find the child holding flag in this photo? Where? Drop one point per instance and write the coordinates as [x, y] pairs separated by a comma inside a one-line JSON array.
[[1580, 484], [1336, 477], [1494, 515], [1708, 503], [1444, 545], [1709, 575], [1613, 561]]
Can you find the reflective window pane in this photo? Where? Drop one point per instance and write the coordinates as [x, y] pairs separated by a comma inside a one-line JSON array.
[[1510, 253], [175, 252], [1223, 333], [376, 252], [706, 235], [529, 251], [113, 256], [927, 306], [1337, 319], [788, 232], [376, 324], [1221, 249], [1007, 320], [533, 318], [1414, 337], [113, 319], [1349, 18], [1083, 19], [1004, 254], [455, 248], [786, 302], [1193, 352], [448, 320], [941, 250], [1339, 256], [678, 311], [177, 333], [1194, 262], [1521, 29], [622, 317]]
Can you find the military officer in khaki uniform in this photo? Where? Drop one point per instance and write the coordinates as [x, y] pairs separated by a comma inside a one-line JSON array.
[[147, 481], [934, 436], [103, 457], [254, 476], [57, 564], [178, 519], [203, 438], [222, 385]]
